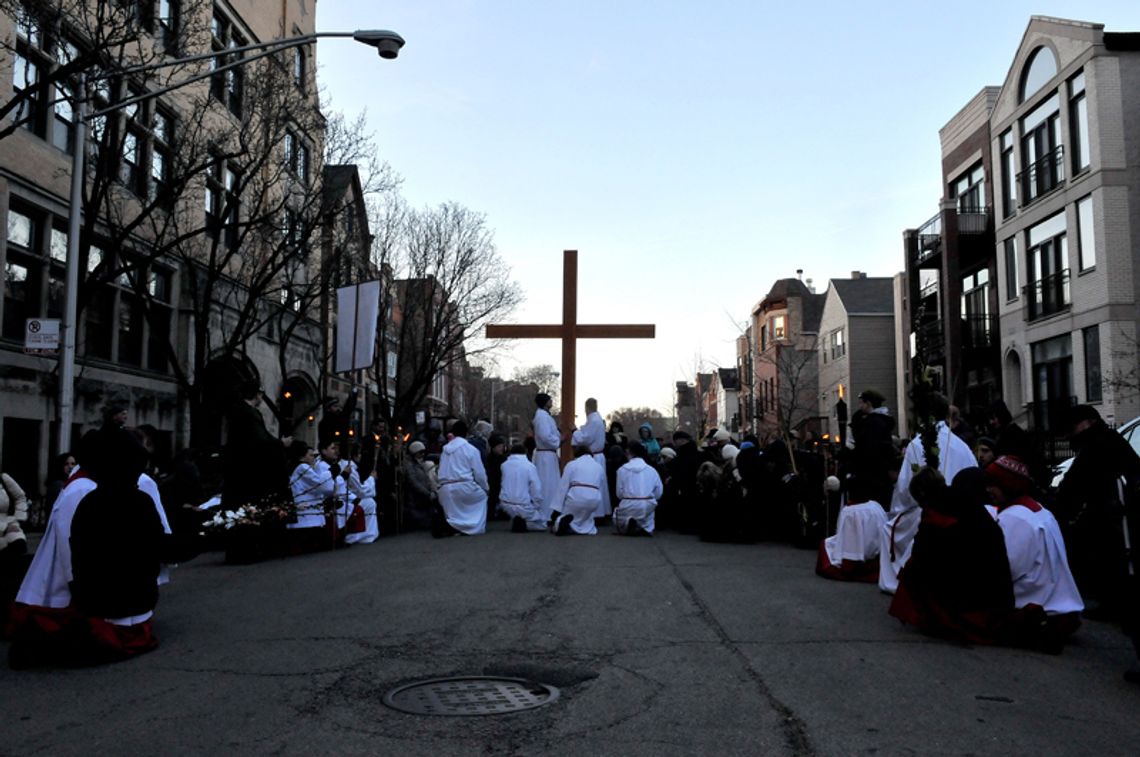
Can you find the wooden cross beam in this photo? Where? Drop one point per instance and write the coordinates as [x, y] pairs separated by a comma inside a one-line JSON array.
[[569, 331]]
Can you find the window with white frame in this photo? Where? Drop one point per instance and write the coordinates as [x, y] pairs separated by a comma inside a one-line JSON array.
[[1086, 244]]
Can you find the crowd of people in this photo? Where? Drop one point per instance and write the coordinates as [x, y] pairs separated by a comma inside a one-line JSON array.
[[959, 526]]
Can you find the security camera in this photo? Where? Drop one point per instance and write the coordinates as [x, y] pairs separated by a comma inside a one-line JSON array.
[[387, 43]]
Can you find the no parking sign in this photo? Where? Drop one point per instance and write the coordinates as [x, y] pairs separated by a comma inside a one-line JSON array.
[[41, 336]]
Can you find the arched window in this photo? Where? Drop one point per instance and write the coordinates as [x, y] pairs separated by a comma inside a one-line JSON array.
[[1039, 69]]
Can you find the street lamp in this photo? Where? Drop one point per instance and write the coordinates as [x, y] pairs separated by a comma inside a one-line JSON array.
[[387, 44]]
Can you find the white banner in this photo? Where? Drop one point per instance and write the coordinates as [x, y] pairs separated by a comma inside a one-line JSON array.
[[357, 307]]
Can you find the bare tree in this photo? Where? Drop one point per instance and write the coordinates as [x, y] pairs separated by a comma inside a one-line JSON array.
[[544, 376], [1123, 377], [450, 283], [794, 401]]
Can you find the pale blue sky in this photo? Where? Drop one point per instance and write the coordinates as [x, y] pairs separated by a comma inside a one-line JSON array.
[[693, 153]]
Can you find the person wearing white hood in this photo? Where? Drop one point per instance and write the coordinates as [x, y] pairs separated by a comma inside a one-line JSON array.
[[638, 489], [462, 487], [578, 495], [520, 495]]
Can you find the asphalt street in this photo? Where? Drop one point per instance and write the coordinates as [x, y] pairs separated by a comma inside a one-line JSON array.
[[662, 646]]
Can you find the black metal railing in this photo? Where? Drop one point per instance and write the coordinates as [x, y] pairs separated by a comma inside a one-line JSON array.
[[1047, 295], [929, 237], [1042, 176], [979, 332], [1050, 416], [974, 220], [930, 340]]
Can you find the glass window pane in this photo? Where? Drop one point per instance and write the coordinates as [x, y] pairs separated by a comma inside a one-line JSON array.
[[1087, 251], [58, 249], [1092, 364], [19, 229], [94, 258]]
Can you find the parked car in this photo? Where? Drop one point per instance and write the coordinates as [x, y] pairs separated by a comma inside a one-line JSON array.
[[1130, 431]]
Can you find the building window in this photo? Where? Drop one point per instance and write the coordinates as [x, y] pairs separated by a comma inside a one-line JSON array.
[[392, 365], [1079, 123], [969, 190], [300, 66], [1052, 383], [1091, 337], [1008, 175], [161, 153], [1086, 246], [778, 329], [1047, 268], [227, 86], [1040, 67], [977, 331], [297, 157], [838, 344], [223, 204], [1043, 167], [166, 22], [1011, 289]]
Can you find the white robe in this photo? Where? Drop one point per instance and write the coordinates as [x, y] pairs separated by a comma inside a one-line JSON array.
[[521, 493], [638, 490], [1038, 563], [546, 444], [858, 533], [48, 580], [594, 435], [463, 487], [579, 492], [363, 493], [898, 533], [311, 485]]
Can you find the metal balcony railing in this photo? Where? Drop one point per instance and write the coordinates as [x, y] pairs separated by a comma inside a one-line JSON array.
[[972, 221], [929, 238], [930, 341], [1047, 295], [979, 332], [1043, 176]]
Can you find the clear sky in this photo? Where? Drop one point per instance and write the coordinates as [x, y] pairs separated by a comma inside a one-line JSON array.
[[693, 152]]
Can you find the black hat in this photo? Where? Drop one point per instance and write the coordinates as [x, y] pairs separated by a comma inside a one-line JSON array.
[[870, 395], [541, 399], [682, 435]]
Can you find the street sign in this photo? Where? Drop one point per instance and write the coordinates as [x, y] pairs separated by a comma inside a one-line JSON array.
[[41, 336]]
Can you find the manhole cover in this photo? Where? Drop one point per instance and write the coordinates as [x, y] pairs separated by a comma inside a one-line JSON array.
[[470, 695]]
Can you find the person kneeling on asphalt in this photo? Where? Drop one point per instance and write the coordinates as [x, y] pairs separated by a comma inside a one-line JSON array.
[[638, 489], [579, 495], [520, 493]]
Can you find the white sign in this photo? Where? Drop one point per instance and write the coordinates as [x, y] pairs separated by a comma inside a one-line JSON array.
[[357, 308], [420, 417], [41, 336]]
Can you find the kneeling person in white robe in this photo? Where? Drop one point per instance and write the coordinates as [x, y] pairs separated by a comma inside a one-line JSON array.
[[579, 495], [852, 554], [463, 484], [638, 490], [593, 435], [520, 495]]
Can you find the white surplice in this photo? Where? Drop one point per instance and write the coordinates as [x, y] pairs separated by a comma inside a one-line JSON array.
[[1038, 562], [858, 533], [363, 493], [593, 434], [546, 444], [898, 533], [520, 495], [579, 493], [311, 486], [638, 490], [48, 580], [463, 487]]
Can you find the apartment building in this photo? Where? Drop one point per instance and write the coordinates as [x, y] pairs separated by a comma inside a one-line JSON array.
[[185, 192], [1065, 136]]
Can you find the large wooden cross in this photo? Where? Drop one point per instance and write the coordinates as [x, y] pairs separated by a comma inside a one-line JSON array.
[[569, 331]]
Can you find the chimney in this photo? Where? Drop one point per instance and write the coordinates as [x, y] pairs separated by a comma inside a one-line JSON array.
[[858, 275], [810, 286], [800, 274]]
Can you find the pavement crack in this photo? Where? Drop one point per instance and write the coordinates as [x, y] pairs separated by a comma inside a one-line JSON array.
[[794, 728]]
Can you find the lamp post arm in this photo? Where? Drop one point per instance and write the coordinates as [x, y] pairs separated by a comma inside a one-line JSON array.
[[269, 49], [275, 44]]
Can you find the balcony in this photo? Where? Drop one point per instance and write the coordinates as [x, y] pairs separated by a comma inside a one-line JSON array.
[[1042, 176], [929, 238], [930, 341], [979, 332], [1047, 296]]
